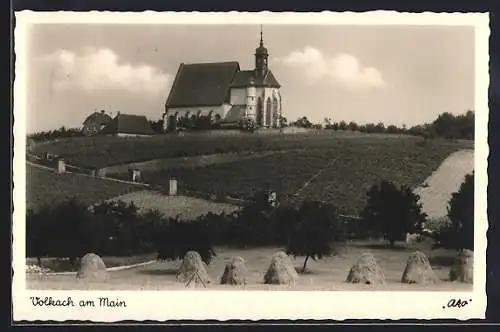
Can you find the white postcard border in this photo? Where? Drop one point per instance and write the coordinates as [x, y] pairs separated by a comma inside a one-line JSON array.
[[253, 305]]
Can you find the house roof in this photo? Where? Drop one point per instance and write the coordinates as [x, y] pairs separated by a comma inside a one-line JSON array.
[[244, 77], [202, 84], [129, 124], [98, 117]]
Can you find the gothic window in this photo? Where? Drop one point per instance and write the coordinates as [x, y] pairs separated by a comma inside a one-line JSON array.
[[260, 111], [275, 112], [268, 111]]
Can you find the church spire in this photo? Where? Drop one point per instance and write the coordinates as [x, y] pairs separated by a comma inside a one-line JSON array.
[[261, 40], [261, 56]]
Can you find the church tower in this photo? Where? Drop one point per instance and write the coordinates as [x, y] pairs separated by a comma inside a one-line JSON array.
[[261, 56]]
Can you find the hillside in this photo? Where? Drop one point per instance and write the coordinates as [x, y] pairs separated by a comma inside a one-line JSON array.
[[48, 187], [96, 152], [348, 168]]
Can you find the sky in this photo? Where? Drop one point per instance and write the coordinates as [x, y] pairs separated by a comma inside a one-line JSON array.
[[391, 74]]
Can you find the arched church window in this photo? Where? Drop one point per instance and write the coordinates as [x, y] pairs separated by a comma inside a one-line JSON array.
[[275, 112], [268, 111], [260, 113]]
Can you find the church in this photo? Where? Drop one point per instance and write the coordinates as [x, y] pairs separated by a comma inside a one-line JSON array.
[[225, 93]]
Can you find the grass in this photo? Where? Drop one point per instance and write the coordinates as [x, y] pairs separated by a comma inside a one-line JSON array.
[[45, 187], [64, 265], [96, 152], [326, 274], [355, 165]]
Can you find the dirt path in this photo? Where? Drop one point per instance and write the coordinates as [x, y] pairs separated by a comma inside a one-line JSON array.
[[437, 189]]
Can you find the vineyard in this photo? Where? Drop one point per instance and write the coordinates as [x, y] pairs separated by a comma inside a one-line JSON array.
[[349, 167], [46, 187]]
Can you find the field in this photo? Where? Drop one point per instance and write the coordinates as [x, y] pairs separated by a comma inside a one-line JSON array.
[[346, 168], [186, 208], [325, 274], [44, 187], [97, 152]]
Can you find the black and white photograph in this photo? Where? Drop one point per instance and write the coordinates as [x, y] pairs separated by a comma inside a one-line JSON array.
[[261, 165]]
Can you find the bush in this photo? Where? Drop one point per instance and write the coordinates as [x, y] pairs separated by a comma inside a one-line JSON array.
[[247, 125], [60, 231], [393, 211], [120, 229]]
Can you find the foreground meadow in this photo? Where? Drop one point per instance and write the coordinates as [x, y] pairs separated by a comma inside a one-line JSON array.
[[327, 274]]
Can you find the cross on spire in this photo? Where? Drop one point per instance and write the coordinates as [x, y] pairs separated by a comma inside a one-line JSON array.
[[261, 41]]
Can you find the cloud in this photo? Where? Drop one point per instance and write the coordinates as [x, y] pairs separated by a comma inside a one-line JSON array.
[[100, 69], [343, 68]]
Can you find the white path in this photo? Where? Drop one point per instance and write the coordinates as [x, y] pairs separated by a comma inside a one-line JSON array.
[[446, 180]]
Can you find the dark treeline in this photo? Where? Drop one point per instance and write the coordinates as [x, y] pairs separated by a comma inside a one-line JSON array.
[[446, 125], [62, 132]]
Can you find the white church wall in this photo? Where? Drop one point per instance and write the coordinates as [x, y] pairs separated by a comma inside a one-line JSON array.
[[264, 93]]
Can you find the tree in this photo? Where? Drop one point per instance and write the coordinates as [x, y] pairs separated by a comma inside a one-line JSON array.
[[303, 122], [353, 126], [342, 125], [461, 215], [156, 126], [176, 237], [314, 229], [67, 230], [283, 121], [393, 211]]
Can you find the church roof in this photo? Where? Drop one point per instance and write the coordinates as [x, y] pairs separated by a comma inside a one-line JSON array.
[[236, 113], [243, 78], [202, 84]]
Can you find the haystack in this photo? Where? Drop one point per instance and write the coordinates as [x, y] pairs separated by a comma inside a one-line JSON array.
[[463, 267], [418, 270], [281, 270], [193, 269], [235, 272], [366, 271], [92, 267]]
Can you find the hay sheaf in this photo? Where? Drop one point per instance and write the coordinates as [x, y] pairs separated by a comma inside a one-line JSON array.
[[418, 270], [92, 267], [234, 272], [281, 270], [366, 271], [463, 267], [190, 266]]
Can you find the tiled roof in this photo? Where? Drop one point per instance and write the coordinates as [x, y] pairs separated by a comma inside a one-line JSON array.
[[243, 78], [129, 124], [202, 84]]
